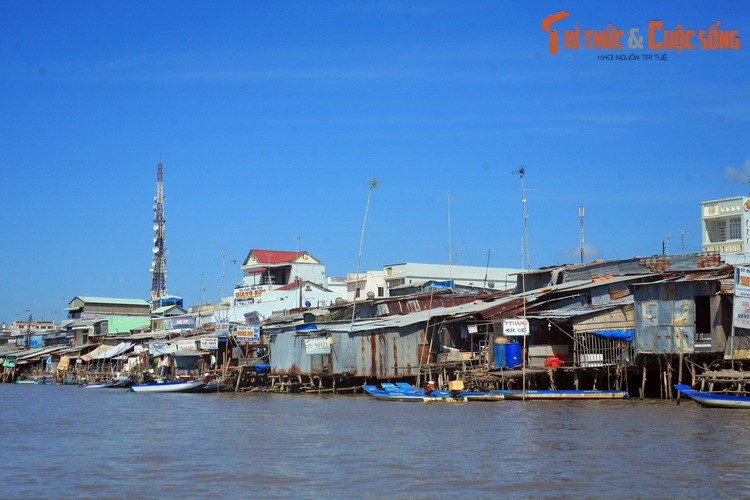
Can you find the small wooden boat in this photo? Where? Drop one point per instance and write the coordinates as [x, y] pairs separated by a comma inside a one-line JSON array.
[[714, 400], [571, 394], [404, 392], [190, 386]]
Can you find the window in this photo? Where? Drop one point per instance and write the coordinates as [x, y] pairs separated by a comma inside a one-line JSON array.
[[735, 228], [380, 291], [722, 230], [356, 293]]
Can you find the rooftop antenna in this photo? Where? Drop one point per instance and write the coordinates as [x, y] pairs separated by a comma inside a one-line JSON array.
[[525, 265], [487, 268], [158, 260], [525, 260], [373, 184], [221, 295], [450, 243], [580, 239]]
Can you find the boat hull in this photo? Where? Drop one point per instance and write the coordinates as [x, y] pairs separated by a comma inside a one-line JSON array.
[[710, 400], [572, 394], [194, 386]]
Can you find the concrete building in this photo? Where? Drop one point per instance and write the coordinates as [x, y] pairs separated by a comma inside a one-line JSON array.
[[397, 275], [279, 268], [93, 316], [369, 281], [725, 228]]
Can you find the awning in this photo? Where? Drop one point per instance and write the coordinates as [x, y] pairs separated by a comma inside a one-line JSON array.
[[257, 270], [115, 351], [615, 334]]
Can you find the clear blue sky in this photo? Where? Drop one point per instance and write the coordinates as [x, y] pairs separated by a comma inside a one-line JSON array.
[[270, 117]]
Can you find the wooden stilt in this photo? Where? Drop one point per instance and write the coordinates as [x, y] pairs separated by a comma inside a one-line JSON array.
[[643, 382]]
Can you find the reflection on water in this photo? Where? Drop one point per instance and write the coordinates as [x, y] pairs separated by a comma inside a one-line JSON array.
[[64, 441]]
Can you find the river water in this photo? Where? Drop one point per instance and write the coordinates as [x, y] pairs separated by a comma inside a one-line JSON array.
[[62, 441]]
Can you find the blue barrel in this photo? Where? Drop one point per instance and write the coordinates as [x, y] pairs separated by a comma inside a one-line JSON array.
[[500, 361], [512, 355]]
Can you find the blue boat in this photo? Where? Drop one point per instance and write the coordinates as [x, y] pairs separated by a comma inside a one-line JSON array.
[[404, 392], [713, 400]]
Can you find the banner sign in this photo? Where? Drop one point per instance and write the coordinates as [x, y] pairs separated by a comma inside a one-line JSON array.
[[741, 312], [186, 345], [209, 343], [249, 334], [247, 294], [178, 322], [252, 318], [518, 327], [742, 282], [318, 345]]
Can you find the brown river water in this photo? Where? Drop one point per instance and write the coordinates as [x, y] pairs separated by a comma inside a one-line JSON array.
[[62, 441]]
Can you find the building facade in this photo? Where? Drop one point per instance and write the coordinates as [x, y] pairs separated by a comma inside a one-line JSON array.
[[408, 273], [725, 228], [369, 281]]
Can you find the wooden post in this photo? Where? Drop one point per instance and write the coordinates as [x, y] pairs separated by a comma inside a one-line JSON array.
[[679, 375], [576, 381], [551, 375], [239, 377], [643, 381]]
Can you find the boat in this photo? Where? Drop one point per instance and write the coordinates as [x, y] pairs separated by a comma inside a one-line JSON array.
[[96, 385], [34, 381], [121, 383], [714, 400], [186, 386], [569, 394], [404, 392]]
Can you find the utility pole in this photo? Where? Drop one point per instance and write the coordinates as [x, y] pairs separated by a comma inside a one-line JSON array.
[[580, 216], [28, 332], [373, 184]]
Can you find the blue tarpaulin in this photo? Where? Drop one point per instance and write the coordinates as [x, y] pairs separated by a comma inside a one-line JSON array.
[[616, 334], [311, 327]]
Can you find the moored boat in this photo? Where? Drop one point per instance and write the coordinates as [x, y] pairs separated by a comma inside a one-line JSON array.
[[189, 386], [97, 385], [569, 394], [714, 400], [404, 392]]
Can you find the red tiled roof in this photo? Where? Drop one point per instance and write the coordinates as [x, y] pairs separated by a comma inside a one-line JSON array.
[[274, 256]]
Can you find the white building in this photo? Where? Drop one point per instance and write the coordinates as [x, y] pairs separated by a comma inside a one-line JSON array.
[[279, 268], [369, 281], [496, 278], [725, 228]]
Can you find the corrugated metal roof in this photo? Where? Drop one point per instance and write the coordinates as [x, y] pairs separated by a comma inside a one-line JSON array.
[[111, 300]]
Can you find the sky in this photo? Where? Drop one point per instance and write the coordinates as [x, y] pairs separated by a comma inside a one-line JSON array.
[[270, 118]]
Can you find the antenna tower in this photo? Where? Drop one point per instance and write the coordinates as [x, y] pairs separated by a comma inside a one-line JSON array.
[[158, 260]]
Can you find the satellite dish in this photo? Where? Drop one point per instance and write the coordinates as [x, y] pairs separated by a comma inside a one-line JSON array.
[[307, 303], [151, 270], [155, 249], [370, 295], [156, 226], [491, 284], [154, 239]]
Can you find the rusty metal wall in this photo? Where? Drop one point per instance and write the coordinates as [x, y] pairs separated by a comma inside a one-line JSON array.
[[287, 354], [385, 353]]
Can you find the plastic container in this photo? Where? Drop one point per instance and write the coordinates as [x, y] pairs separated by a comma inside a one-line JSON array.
[[513, 355], [500, 361]]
